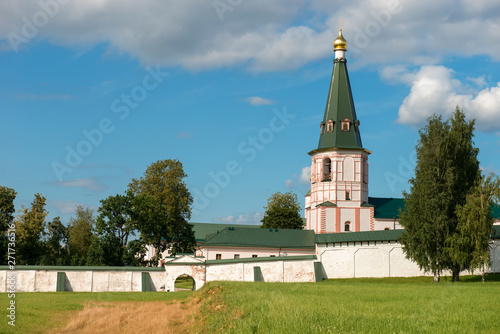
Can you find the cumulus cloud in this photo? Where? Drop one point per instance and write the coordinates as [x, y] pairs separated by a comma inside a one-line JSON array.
[[434, 90], [90, 184], [289, 183], [305, 175], [249, 219], [65, 207], [258, 101], [259, 34]]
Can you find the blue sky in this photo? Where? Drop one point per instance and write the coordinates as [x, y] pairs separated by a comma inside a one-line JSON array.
[[93, 92]]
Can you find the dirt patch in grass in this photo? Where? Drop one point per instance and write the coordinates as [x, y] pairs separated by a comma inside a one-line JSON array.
[[133, 317]]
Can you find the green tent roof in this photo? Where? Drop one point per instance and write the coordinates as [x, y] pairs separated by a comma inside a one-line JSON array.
[[339, 107], [262, 237], [201, 230]]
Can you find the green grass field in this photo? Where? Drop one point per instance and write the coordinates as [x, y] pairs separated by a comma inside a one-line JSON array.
[[387, 305], [413, 305], [37, 312]]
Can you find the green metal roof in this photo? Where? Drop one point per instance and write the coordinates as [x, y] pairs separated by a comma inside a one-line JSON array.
[[262, 237], [340, 106], [495, 210], [201, 230], [327, 203], [383, 235], [386, 208], [263, 259]]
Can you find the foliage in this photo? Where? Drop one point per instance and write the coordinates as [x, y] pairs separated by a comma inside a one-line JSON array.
[[7, 210], [55, 246], [471, 243], [116, 223], [282, 211], [80, 235], [446, 169], [30, 227], [164, 203]]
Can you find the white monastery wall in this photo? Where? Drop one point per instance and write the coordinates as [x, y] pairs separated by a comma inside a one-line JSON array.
[[243, 252]]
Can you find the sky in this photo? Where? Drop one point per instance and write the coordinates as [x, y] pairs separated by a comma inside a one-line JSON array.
[[92, 92]]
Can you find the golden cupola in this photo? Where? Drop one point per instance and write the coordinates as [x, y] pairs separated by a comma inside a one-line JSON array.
[[340, 43]]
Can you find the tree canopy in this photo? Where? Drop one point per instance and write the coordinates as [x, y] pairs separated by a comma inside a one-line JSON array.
[[164, 203], [282, 211], [80, 235], [447, 168]]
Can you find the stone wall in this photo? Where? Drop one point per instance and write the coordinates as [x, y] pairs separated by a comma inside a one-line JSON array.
[[80, 279]]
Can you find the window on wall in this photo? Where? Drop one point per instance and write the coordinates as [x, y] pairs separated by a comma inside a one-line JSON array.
[[322, 125], [327, 169], [329, 125], [218, 256], [236, 256], [345, 124], [273, 256], [347, 196], [347, 226], [254, 255]]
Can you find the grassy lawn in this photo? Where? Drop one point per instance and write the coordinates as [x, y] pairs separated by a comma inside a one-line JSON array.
[[184, 283], [394, 305], [36, 312]]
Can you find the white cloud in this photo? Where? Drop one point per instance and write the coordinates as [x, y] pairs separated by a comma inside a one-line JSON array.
[[262, 35], [258, 101], [289, 184], [434, 90], [65, 207], [248, 219], [89, 184], [305, 175]]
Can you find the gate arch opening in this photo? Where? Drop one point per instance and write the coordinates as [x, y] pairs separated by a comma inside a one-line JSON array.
[[184, 282]]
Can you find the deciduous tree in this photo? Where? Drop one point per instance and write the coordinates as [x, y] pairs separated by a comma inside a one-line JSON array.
[[30, 227], [55, 246], [446, 169], [80, 235], [471, 244], [282, 211], [164, 203], [7, 210]]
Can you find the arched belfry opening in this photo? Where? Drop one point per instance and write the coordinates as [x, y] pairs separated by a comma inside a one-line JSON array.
[[327, 169]]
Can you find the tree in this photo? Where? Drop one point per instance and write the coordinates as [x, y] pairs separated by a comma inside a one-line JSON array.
[[80, 235], [56, 251], [29, 232], [7, 210], [471, 243], [164, 203], [117, 222], [446, 169], [282, 211]]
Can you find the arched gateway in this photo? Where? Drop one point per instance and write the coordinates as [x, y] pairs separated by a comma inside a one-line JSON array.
[[184, 265]]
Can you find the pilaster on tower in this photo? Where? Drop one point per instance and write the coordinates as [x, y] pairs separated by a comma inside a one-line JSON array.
[[338, 199]]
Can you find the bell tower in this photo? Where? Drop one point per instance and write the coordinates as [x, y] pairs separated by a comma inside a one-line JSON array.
[[338, 199]]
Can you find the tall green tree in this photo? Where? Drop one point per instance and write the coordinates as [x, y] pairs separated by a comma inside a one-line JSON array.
[[118, 221], [7, 210], [164, 202], [282, 211], [80, 235], [55, 246], [30, 227], [471, 243], [446, 169]]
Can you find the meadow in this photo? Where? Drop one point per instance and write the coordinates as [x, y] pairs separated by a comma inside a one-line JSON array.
[[388, 305]]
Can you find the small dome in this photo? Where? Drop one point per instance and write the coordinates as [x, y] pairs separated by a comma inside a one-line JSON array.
[[340, 43]]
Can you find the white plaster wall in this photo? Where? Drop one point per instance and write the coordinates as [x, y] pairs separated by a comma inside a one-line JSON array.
[[400, 266], [347, 215], [45, 280], [228, 252], [335, 262], [196, 271], [369, 262], [364, 219]]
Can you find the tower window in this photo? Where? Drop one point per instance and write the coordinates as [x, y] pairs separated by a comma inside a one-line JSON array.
[[218, 256], [329, 125], [327, 169], [322, 125], [347, 226], [345, 124], [347, 196]]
